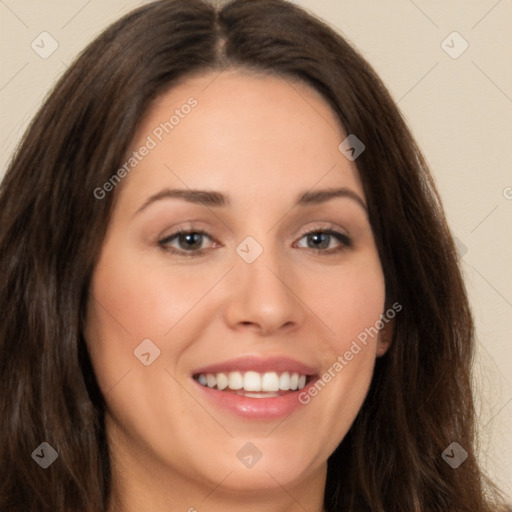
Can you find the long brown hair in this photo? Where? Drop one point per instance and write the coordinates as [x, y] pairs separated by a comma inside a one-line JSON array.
[[52, 227]]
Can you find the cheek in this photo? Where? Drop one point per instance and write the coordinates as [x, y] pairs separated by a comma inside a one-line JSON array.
[[135, 298], [132, 300], [121, 314], [349, 301], [351, 309]]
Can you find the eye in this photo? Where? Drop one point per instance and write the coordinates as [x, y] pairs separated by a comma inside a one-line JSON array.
[[320, 240], [189, 242]]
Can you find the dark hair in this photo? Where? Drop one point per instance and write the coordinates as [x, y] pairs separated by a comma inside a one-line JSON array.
[[52, 227]]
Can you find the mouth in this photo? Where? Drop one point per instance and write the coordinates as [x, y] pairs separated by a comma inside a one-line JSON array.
[[254, 384], [254, 387]]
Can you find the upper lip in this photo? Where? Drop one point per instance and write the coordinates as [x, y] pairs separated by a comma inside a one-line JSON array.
[[258, 364]]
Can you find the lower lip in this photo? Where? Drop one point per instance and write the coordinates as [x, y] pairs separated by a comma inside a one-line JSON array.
[[255, 408]]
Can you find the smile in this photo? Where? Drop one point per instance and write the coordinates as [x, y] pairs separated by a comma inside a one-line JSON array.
[[252, 383], [255, 387]]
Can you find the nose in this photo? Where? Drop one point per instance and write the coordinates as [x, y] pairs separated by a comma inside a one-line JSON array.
[[263, 296]]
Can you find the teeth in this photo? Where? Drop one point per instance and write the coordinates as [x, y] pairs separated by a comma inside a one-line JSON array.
[[294, 380], [254, 382], [236, 381], [258, 395], [222, 381], [270, 382], [284, 381]]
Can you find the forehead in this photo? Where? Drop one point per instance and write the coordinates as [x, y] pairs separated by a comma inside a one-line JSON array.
[[245, 133]]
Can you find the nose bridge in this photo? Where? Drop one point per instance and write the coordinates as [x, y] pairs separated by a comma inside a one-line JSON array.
[[267, 270], [262, 288]]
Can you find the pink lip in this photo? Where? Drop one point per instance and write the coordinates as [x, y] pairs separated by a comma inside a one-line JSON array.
[[258, 364], [256, 408]]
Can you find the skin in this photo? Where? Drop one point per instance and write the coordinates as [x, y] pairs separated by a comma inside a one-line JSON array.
[[261, 141]]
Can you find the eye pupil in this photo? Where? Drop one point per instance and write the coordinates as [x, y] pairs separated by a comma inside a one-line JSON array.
[[320, 237], [192, 240]]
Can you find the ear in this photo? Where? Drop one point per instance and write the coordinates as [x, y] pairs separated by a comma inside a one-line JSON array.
[[385, 337]]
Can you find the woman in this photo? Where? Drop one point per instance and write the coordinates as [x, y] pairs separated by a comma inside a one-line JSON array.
[[228, 283]]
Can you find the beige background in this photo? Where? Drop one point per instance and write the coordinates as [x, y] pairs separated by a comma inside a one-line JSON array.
[[459, 109]]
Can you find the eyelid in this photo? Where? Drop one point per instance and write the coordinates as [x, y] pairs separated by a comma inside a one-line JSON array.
[[331, 229], [162, 241], [328, 226], [334, 231]]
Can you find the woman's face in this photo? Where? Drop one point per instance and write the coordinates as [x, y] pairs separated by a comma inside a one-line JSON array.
[[272, 290]]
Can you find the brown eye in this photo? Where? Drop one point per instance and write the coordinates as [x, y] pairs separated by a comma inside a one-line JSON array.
[[187, 241]]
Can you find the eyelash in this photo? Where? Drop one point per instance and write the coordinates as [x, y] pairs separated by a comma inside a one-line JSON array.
[[342, 238]]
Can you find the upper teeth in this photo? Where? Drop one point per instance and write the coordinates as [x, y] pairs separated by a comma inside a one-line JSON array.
[[253, 381]]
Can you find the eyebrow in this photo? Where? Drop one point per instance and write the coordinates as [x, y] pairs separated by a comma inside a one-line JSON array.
[[215, 199]]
